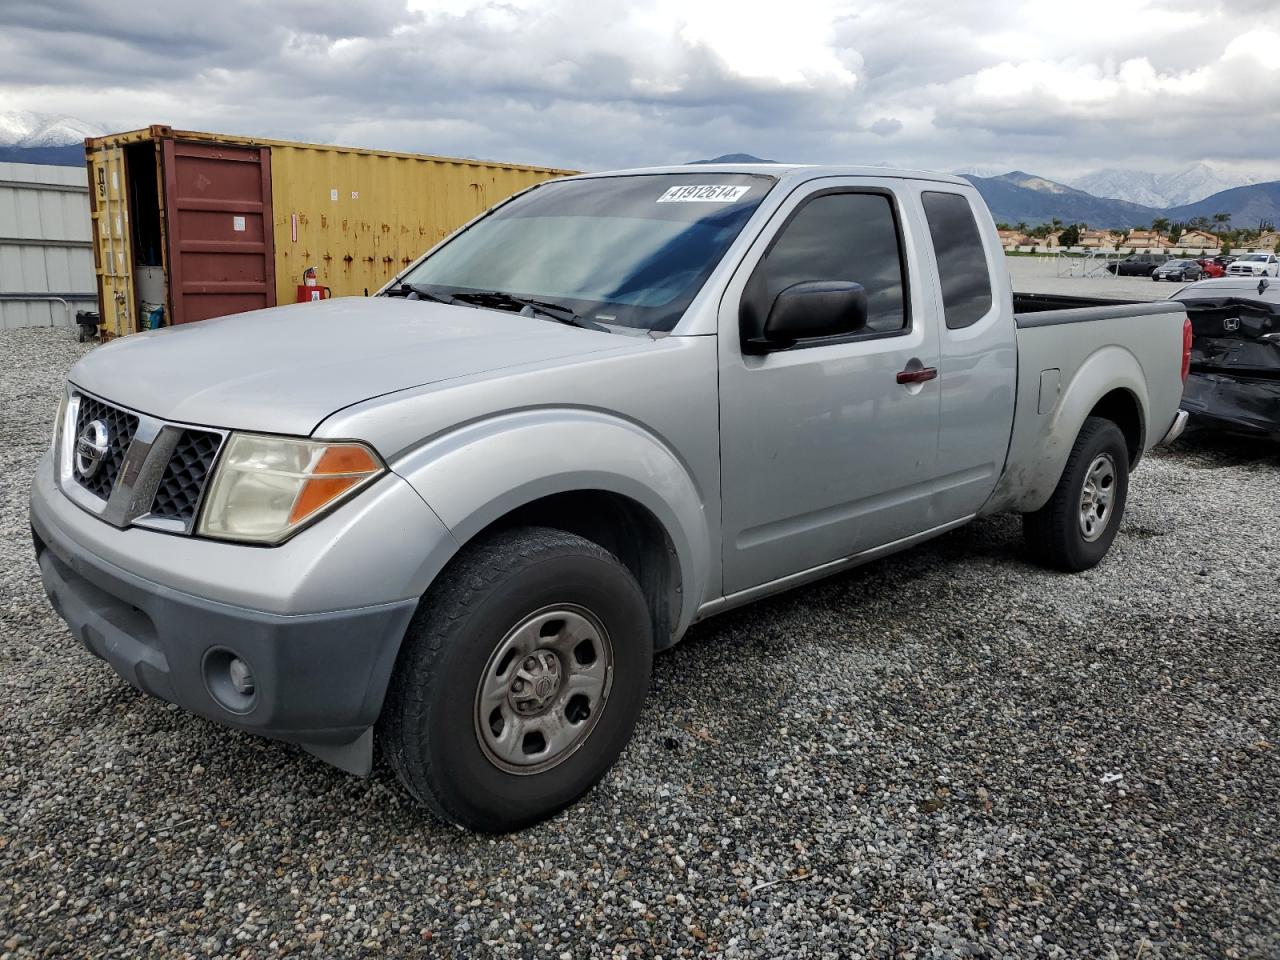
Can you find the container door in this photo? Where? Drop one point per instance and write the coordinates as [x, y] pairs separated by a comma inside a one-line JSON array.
[[221, 249], [113, 256]]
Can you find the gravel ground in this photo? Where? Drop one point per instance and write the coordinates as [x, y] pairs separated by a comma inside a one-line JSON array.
[[946, 753]]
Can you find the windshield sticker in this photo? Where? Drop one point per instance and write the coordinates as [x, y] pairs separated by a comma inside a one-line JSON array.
[[704, 193]]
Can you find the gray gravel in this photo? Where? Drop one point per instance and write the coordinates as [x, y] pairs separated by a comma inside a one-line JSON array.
[[948, 752]]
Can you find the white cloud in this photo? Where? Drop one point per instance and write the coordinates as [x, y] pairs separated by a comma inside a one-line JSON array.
[[595, 83]]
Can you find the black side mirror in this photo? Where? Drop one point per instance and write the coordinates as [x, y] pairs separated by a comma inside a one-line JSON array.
[[814, 308]]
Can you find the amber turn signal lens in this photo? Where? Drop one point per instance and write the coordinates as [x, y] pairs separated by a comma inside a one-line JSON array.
[[339, 469], [266, 488]]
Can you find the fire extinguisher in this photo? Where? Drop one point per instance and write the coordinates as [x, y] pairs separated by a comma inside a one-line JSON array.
[[310, 290]]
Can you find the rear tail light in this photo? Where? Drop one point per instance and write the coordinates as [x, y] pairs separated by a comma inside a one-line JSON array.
[[1186, 348]]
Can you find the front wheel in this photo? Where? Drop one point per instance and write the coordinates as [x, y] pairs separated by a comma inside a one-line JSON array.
[[1074, 530], [520, 679]]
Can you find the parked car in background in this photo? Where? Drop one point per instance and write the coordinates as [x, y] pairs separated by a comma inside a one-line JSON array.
[[1234, 376], [1178, 270], [1137, 264], [462, 516], [1225, 260], [1212, 268], [1254, 265]]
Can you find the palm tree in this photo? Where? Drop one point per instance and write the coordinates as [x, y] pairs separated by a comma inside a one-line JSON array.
[[1223, 220], [1160, 224]]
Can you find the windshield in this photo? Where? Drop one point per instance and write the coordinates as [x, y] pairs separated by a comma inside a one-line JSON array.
[[630, 251], [1255, 256]]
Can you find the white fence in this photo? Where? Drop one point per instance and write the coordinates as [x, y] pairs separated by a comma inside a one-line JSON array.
[[46, 247]]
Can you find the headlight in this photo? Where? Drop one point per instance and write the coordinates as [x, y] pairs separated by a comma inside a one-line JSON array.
[[265, 489]]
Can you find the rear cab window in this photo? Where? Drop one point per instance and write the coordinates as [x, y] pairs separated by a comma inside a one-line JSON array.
[[962, 262]]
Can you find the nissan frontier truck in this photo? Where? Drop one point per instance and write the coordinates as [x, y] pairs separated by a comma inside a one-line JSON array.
[[457, 519]]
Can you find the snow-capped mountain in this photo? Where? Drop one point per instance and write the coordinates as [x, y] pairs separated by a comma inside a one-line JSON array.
[[1194, 183], [21, 128], [979, 171]]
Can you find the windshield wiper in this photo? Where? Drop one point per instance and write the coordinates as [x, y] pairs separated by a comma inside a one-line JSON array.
[[556, 311], [417, 291]]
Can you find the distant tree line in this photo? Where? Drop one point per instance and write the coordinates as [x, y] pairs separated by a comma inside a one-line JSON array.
[[1219, 224]]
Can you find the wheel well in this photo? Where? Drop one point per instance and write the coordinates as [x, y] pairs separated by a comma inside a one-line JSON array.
[[1121, 408], [628, 531]]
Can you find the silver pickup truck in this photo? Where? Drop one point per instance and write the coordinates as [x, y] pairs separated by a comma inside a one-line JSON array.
[[461, 516]]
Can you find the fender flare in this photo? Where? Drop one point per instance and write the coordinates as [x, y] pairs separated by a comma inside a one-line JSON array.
[[478, 472]]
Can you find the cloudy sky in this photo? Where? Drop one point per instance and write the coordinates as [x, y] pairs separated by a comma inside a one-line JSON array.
[[1043, 85]]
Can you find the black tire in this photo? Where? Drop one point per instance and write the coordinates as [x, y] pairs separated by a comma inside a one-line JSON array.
[[1054, 533], [429, 728]]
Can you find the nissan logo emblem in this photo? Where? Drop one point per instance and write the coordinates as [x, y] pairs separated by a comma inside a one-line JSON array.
[[91, 448]]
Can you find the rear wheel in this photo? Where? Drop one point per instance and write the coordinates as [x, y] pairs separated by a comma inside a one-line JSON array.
[[520, 679], [1074, 530]]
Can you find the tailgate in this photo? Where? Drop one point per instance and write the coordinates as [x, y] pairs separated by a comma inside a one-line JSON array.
[[1232, 335]]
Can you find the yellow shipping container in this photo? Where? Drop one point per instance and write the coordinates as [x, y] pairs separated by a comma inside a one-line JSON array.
[[191, 225]]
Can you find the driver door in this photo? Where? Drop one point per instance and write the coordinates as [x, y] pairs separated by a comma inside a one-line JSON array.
[[825, 452]]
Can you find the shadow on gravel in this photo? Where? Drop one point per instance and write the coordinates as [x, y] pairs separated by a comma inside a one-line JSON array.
[[1208, 449], [990, 541]]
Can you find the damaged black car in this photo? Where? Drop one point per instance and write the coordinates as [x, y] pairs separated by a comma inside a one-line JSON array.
[[1234, 382]]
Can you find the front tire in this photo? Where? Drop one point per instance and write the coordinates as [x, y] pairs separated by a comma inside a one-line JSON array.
[[520, 679], [1074, 530]]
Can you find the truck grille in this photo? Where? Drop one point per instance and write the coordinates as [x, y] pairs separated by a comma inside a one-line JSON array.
[[148, 472], [183, 481], [121, 427]]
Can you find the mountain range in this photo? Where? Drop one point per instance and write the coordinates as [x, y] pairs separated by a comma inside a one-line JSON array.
[[1188, 185], [1019, 197], [27, 137]]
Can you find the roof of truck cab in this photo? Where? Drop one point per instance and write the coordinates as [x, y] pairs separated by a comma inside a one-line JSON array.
[[795, 172]]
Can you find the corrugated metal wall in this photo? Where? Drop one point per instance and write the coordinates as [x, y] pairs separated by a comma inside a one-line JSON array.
[[46, 245]]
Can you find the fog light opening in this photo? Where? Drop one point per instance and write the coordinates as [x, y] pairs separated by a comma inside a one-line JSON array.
[[230, 681]]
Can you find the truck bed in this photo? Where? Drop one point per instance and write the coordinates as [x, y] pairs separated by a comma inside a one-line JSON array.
[[1025, 305]]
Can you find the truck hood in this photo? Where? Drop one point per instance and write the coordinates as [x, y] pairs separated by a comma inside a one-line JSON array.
[[284, 369]]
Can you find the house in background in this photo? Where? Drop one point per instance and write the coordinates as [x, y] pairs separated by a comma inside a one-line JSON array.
[[1012, 239], [1146, 240], [1197, 241], [1097, 239], [1264, 241]]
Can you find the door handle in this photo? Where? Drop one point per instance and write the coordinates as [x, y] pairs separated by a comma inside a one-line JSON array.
[[917, 374]]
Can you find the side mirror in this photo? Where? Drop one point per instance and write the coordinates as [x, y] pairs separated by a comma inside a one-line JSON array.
[[814, 308]]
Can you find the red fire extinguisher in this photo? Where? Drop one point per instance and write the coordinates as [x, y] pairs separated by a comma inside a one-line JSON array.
[[309, 289]]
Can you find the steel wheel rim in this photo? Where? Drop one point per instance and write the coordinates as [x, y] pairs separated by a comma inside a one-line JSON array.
[[1097, 497], [543, 689]]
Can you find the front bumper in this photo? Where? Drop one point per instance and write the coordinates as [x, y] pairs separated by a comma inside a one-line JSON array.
[[319, 678]]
